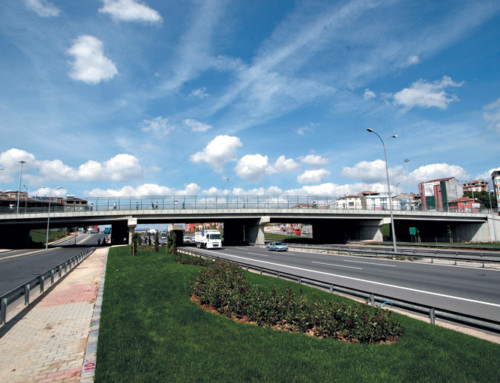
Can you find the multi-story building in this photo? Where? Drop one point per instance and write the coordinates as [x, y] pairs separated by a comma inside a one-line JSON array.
[[475, 186], [495, 176], [437, 193], [464, 205]]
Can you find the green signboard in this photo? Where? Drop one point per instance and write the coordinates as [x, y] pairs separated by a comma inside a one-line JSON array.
[[413, 231]]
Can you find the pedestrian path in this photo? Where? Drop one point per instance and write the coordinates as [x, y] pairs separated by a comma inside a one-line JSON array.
[[49, 344]]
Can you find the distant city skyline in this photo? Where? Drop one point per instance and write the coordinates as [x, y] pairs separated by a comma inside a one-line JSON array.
[[109, 98]]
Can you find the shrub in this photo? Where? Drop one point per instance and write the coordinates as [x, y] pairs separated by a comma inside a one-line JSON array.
[[223, 287], [186, 259]]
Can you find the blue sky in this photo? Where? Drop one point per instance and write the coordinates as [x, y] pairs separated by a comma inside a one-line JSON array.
[[158, 97]]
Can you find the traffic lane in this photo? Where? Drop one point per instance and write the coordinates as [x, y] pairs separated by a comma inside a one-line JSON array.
[[421, 296], [471, 283], [15, 272]]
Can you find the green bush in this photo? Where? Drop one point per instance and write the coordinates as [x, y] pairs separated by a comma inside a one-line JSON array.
[[186, 259], [223, 287]]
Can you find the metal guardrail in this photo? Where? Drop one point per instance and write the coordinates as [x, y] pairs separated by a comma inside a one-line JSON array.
[[432, 312], [51, 276], [479, 257]]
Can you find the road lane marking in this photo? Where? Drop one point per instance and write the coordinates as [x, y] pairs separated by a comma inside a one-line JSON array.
[[333, 264], [372, 282], [260, 255], [370, 263]]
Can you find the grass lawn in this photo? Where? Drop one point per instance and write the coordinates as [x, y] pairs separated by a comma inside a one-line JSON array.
[[41, 235], [151, 332]]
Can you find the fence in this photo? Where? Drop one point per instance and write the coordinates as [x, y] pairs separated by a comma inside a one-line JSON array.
[[21, 296], [201, 202]]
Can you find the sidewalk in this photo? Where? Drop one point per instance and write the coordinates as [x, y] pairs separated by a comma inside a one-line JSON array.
[[49, 343]]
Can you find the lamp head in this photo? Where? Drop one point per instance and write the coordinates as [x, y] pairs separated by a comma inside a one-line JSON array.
[[369, 130]]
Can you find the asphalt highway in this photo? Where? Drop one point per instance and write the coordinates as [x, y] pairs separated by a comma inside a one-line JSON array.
[[470, 291], [18, 267]]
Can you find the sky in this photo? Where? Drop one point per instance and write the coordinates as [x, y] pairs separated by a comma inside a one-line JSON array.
[[108, 98]]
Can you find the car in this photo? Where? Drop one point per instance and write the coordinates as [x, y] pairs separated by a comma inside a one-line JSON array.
[[277, 246]]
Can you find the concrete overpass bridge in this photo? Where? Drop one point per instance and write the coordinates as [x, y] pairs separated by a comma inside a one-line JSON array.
[[244, 219]]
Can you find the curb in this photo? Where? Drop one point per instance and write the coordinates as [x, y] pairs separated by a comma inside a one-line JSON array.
[[90, 359]]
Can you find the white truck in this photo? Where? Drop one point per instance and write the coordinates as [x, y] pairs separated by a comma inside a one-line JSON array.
[[209, 239]]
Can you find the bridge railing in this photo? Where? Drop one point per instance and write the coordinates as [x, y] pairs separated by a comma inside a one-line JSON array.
[[230, 202]]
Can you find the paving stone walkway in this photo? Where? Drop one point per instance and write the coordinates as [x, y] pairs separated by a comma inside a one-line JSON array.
[[49, 343]]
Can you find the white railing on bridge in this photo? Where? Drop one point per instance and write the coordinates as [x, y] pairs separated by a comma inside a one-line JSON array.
[[100, 204]]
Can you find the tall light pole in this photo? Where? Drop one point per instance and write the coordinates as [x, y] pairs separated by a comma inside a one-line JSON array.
[[388, 186], [20, 182], [48, 219]]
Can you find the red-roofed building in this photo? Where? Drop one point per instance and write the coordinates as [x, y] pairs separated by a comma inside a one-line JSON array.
[[464, 205]]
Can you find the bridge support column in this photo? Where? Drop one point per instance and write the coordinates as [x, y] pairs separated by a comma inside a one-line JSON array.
[[479, 232], [120, 233], [372, 230], [245, 231], [132, 224], [255, 233]]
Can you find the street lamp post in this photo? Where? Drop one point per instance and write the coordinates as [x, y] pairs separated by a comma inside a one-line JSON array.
[[48, 219], [20, 182], [388, 186]]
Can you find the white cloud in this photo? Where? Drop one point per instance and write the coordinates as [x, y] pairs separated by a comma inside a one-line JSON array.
[[369, 94], [145, 190], [487, 176], [43, 8], [427, 95], [313, 176], [196, 126], [200, 93], [367, 171], [412, 60], [492, 115], [220, 150], [123, 167], [303, 130], [282, 165], [130, 10], [252, 167], [437, 171], [158, 126], [91, 170], [314, 160], [90, 65], [9, 160]]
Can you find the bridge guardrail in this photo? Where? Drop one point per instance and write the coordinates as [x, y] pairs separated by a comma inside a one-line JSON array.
[[25, 290], [432, 312]]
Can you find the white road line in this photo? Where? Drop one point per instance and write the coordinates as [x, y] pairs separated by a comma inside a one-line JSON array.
[[260, 255], [333, 264], [370, 263], [372, 282]]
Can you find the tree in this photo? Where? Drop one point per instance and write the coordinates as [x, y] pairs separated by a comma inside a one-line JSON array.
[[483, 198], [135, 243], [157, 242]]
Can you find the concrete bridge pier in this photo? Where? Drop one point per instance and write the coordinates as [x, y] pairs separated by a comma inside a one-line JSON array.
[[372, 229], [121, 231], [245, 231]]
